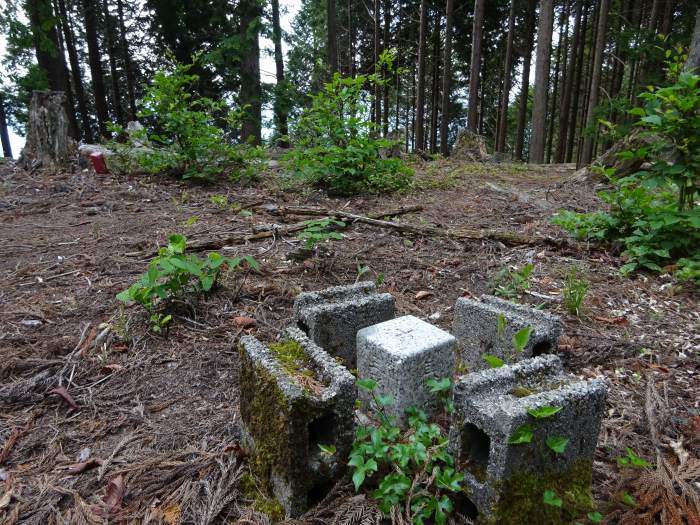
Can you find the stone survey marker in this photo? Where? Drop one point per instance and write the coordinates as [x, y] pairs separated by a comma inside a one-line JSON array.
[[476, 327], [332, 317], [502, 447], [284, 421], [516, 431], [401, 355]]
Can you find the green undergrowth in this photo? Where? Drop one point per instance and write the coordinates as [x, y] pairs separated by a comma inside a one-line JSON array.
[[521, 501], [291, 355], [260, 503]]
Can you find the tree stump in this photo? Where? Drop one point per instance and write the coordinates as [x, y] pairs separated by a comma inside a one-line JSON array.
[[48, 144]]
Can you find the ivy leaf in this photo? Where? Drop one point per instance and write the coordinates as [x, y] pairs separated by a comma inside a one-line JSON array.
[[543, 412], [550, 498], [521, 338], [493, 361], [523, 434], [441, 385], [557, 443], [367, 384], [385, 400]]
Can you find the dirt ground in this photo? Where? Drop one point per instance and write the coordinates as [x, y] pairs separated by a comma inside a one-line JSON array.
[[102, 420]]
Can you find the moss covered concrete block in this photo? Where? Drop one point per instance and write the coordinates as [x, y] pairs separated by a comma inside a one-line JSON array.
[[293, 398], [476, 326], [520, 430], [332, 317]]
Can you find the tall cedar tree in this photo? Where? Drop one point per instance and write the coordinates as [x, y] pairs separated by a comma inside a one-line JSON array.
[[475, 66], [529, 36], [693, 62], [250, 97], [95, 60], [446, 78], [128, 65], [109, 30], [420, 90], [539, 108], [280, 103], [4, 134], [332, 36], [505, 92]]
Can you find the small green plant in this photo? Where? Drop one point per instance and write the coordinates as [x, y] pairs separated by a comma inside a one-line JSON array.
[[411, 472], [632, 460], [574, 292], [511, 284], [172, 274], [338, 147], [320, 230], [220, 201], [520, 340]]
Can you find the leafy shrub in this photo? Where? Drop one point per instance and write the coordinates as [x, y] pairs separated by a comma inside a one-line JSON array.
[[412, 471], [183, 135], [172, 274], [337, 145], [654, 212], [320, 230], [512, 284]]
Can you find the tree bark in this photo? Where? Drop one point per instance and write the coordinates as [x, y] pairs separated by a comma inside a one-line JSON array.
[[539, 108], [561, 48], [525, 79], [693, 61], [446, 79], [596, 72], [332, 44], [385, 73], [435, 89], [565, 106], [420, 91], [475, 66], [280, 103], [4, 134], [95, 60], [577, 87], [127, 62], [47, 143], [114, 74], [75, 71], [251, 91], [505, 92]]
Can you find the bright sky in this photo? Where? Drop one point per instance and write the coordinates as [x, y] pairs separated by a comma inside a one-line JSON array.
[[289, 9]]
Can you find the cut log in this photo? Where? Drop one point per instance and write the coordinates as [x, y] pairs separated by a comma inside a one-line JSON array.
[[48, 144]]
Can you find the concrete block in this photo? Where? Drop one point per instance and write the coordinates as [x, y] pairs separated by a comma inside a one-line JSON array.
[[492, 406], [401, 355], [476, 327], [332, 317], [288, 410]]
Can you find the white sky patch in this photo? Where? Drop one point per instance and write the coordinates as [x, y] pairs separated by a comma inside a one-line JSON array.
[[288, 8]]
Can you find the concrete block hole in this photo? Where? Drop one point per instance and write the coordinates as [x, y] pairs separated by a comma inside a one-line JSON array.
[[321, 432], [541, 348], [476, 447]]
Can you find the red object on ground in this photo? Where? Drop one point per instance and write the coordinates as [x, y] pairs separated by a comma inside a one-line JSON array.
[[98, 162]]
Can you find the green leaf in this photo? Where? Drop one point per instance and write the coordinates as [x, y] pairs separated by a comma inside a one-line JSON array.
[[523, 434], [633, 460], [358, 477], [328, 450], [595, 517], [654, 120], [367, 384], [501, 328], [550, 498], [385, 400], [441, 385], [493, 361], [543, 411], [177, 243], [628, 499], [521, 338], [557, 443]]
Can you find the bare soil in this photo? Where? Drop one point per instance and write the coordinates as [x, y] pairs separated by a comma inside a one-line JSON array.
[[101, 419]]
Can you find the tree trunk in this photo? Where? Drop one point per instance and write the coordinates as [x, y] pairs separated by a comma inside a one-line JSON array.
[[47, 143], [561, 48], [435, 89], [475, 65], [127, 62], [420, 91], [332, 44], [377, 51], [280, 103], [668, 17], [75, 70], [95, 60], [588, 142], [565, 106], [112, 54], [576, 92], [525, 79], [693, 61], [251, 91], [385, 73], [539, 108], [505, 92], [446, 78], [351, 42], [4, 134]]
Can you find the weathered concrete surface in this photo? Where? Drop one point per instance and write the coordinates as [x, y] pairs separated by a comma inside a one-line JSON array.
[[476, 327], [401, 355], [332, 317], [492, 405], [284, 423]]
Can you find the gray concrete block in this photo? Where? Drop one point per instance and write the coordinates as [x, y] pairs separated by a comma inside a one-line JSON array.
[[476, 327], [401, 355], [332, 317], [283, 421], [490, 406]]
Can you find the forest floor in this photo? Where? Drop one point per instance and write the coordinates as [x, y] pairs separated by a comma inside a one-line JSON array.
[[141, 428]]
